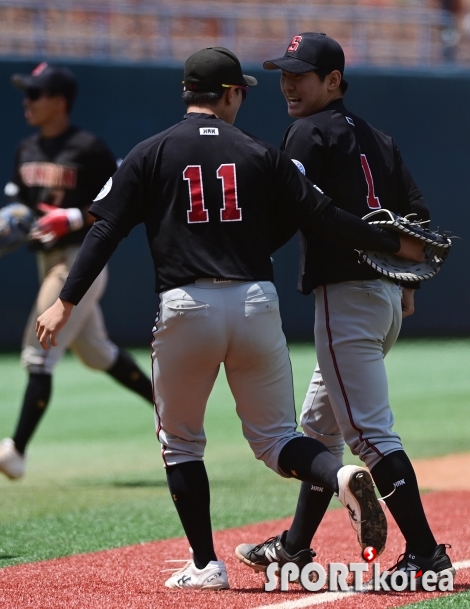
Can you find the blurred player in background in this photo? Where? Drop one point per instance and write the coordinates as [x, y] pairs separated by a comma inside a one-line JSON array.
[[358, 312], [58, 171]]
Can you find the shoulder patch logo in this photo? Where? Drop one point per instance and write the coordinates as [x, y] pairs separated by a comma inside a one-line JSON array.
[[350, 120], [208, 131], [299, 165], [105, 190]]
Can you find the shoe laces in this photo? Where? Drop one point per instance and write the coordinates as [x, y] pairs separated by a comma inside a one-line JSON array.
[[382, 499], [403, 558], [265, 543], [396, 566]]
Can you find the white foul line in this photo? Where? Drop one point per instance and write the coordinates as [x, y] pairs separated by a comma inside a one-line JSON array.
[[330, 597]]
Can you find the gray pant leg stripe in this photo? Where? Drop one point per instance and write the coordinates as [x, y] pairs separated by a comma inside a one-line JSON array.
[[338, 376]]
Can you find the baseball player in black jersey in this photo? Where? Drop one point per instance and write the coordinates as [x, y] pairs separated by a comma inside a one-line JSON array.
[[357, 311], [215, 202], [58, 171]]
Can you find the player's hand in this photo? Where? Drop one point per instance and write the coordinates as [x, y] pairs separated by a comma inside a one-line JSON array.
[[411, 248], [56, 223], [407, 301], [50, 323]]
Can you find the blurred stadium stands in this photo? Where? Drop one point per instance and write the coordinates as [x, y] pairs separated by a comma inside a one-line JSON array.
[[373, 32]]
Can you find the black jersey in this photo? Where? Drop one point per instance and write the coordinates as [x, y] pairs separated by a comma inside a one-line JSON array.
[[361, 169], [214, 201], [66, 171]]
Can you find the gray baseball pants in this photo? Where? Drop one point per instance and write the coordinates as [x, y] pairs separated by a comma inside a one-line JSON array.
[[206, 324], [85, 333], [356, 324]]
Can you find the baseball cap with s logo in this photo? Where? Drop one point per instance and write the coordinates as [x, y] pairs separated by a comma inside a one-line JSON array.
[[309, 52]]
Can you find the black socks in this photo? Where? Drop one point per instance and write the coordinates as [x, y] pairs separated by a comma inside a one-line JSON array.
[[189, 488], [311, 507], [35, 401], [310, 461], [39, 389], [126, 372], [395, 471]]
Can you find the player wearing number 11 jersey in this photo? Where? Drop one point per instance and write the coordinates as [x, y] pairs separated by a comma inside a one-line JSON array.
[[215, 203]]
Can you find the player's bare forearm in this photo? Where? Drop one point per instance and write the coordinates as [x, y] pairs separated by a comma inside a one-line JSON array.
[[411, 248], [50, 323], [407, 301]]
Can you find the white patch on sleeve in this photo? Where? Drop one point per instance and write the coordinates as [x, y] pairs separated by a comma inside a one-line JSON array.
[[319, 189], [11, 189], [208, 131], [350, 120], [299, 165], [105, 190]]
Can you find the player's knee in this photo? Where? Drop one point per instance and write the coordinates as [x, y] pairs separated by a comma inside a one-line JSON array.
[[96, 362], [38, 361], [99, 359], [371, 454], [268, 450], [335, 442]]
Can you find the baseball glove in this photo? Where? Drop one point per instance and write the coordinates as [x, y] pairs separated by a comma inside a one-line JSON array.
[[15, 223], [436, 248]]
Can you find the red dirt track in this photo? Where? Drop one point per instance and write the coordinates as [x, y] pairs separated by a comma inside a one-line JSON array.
[[131, 578]]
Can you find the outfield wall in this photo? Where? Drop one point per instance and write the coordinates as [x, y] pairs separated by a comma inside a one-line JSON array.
[[425, 112]]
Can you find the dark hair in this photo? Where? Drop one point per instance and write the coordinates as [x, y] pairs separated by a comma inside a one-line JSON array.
[[202, 98], [322, 74]]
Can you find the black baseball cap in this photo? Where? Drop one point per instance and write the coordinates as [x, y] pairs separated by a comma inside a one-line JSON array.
[[208, 69], [309, 52], [53, 79]]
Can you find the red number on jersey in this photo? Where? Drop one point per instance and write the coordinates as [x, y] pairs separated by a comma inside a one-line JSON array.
[[197, 213], [372, 201], [294, 45], [231, 212]]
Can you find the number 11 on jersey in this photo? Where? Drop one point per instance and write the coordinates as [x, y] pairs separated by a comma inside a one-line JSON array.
[[197, 212]]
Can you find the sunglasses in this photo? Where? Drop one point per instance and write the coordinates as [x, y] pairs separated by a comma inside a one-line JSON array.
[[33, 93], [243, 88]]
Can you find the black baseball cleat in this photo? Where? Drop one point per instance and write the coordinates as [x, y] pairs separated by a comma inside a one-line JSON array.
[[415, 565], [260, 556]]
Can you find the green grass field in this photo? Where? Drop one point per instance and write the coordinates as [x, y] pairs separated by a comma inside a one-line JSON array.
[[95, 478]]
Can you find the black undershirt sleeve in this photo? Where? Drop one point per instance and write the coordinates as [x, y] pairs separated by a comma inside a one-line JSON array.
[[97, 248], [347, 229]]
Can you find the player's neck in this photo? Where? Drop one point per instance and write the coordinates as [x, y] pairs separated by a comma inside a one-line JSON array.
[[200, 110], [55, 127], [222, 111], [335, 95]]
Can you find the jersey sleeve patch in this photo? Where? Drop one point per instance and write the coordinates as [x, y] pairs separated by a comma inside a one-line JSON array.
[[105, 190], [208, 131], [299, 165]]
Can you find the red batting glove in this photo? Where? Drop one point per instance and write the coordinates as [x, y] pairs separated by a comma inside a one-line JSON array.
[[56, 223]]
